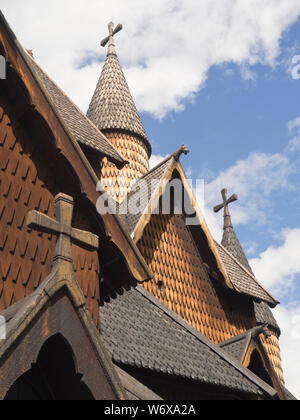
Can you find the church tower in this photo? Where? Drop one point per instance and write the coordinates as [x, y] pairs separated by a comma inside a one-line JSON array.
[[263, 313], [114, 112]]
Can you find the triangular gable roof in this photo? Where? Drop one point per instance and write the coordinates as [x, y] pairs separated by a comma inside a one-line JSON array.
[[23, 315], [239, 345], [154, 184], [141, 332], [235, 274], [45, 107], [241, 348]]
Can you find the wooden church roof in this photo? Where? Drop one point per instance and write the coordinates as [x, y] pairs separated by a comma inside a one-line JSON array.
[[242, 280], [71, 128], [112, 106], [83, 130], [231, 242], [237, 346], [139, 331]]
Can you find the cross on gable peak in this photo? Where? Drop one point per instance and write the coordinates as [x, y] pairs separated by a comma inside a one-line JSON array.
[[110, 38]]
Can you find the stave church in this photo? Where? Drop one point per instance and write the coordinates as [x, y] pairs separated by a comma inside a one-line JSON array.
[[116, 305]]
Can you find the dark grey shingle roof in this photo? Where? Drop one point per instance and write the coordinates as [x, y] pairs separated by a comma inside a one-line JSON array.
[[264, 315], [231, 242], [82, 129], [236, 347], [140, 331], [288, 395], [242, 280]]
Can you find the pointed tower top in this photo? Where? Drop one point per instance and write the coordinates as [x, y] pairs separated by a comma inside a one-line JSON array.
[[112, 107], [230, 240]]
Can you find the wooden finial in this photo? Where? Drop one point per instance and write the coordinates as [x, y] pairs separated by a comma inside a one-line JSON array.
[[110, 38], [225, 206], [182, 150]]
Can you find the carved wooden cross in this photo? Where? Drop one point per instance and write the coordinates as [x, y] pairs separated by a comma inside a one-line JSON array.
[[110, 38], [225, 206], [62, 228]]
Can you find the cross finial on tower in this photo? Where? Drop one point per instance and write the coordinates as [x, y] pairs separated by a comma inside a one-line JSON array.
[[110, 38], [225, 206]]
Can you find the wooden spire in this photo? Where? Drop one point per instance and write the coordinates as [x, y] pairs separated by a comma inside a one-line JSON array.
[[230, 240], [225, 206]]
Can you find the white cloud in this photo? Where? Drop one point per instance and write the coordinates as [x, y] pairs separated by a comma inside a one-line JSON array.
[[155, 160], [294, 144], [289, 321], [167, 48], [254, 179], [294, 124], [278, 266]]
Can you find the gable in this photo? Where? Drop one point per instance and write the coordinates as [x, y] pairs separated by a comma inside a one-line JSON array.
[[182, 283], [56, 316]]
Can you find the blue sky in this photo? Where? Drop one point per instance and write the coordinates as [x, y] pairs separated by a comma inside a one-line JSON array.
[[217, 77]]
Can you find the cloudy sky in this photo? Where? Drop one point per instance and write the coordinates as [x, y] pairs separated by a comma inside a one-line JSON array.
[[220, 76]]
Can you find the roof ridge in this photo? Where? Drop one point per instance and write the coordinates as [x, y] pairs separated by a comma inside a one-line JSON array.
[[247, 272], [72, 102], [257, 329], [214, 347]]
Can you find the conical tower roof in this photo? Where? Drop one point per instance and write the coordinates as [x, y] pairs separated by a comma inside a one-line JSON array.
[[112, 106], [230, 240]]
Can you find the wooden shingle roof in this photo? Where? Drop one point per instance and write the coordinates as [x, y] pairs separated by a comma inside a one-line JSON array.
[[112, 106], [264, 315], [242, 280], [83, 130], [140, 331], [231, 242]]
